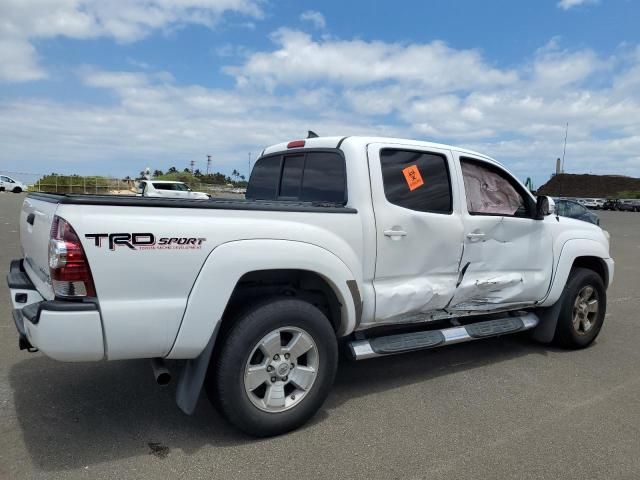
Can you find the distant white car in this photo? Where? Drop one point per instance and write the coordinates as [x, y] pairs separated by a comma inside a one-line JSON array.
[[11, 184], [168, 189], [589, 203]]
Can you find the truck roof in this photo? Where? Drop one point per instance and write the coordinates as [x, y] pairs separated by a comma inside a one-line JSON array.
[[335, 142]]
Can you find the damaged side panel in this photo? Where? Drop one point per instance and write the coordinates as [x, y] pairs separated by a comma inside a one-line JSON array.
[[494, 290], [508, 254], [418, 295], [418, 242], [511, 263]]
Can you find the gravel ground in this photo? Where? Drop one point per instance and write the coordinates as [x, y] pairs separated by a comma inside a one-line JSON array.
[[499, 408]]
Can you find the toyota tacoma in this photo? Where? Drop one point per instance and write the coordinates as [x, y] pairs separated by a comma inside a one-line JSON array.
[[378, 246]]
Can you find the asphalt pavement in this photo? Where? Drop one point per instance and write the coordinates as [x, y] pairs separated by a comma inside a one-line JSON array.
[[499, 408]]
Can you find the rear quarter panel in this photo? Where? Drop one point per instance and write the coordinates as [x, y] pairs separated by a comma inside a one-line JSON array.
[[143, 292]]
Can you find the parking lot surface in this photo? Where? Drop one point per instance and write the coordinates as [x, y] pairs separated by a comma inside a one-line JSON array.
[[499, 408]]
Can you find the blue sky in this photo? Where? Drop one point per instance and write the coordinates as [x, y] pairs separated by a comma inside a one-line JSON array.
[[95, 87]]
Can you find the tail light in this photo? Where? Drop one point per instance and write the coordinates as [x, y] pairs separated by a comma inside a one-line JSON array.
[[68, 265]]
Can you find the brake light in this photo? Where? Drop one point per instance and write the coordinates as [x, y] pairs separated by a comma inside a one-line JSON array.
[[295, 144], [68, 265]]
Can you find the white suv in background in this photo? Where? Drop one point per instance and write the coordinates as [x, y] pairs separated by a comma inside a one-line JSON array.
[[168, 189], [11, 185], [589, 202]]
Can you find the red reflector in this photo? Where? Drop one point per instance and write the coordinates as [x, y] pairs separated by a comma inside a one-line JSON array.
[[295, 144]]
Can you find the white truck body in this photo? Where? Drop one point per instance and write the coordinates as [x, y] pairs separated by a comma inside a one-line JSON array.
[[384, 263]]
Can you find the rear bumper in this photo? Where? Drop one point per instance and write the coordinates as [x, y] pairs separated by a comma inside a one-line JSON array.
[[63, 330]]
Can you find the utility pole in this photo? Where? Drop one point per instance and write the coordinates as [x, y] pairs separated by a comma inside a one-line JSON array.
[[208, 163], [249, 165], [564, 150], [192, 163]]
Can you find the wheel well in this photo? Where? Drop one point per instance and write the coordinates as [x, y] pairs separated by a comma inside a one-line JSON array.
[[593, 263], [257, 286]]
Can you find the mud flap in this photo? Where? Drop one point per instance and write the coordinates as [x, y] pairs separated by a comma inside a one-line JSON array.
[[192, 377], [548, 316]]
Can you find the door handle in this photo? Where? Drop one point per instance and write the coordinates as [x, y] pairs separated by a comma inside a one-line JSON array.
[[395, 233], [475, 235]]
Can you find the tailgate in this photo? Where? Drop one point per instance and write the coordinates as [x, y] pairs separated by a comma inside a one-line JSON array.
[[36, 218]]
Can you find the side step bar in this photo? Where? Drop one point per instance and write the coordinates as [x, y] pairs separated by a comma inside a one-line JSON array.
[[407, 342]]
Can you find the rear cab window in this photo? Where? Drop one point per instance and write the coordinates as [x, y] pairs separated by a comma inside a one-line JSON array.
[[305, 176]]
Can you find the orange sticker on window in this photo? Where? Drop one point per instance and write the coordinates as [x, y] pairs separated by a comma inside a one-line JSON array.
[[413, 177]]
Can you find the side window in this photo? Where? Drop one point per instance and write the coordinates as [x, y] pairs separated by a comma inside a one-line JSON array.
[[416, 180], [577, 209], [491, 192], [561, 208]]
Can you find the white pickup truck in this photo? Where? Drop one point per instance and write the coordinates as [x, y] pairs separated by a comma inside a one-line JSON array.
[[381, 245]]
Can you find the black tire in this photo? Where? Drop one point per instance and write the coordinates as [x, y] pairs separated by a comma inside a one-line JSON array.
[[225, 379], [567, 335], [17, 190]]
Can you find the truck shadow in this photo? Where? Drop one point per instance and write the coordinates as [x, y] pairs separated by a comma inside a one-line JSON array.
[[74, 415]]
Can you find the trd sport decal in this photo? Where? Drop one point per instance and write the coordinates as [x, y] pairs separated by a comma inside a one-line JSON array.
[[146, 241]]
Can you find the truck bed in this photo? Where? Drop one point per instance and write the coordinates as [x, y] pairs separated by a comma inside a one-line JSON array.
[[213, 203]]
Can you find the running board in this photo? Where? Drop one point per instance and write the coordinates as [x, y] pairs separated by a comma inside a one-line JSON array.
[[408, 342]]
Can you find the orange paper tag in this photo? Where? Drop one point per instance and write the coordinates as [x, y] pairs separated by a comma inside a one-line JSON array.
[[413, 177]]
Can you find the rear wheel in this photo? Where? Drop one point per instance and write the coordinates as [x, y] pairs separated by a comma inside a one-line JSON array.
[[275, 367], [583, 309], [17, 190]]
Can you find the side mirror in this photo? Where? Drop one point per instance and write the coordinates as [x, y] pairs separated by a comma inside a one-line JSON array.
[[543, 207]]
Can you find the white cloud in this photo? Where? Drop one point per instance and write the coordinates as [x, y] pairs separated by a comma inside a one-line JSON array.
[[22, 21], [153, 121], [433, 66], [315, 18], [18, 61], [346, 87], [561, 68], [568, 4]]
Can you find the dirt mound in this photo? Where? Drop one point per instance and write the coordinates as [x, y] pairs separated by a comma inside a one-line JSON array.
[[586, 186]]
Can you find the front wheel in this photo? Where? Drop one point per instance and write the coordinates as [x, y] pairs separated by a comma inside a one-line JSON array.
[[275, 367], [583, 310]]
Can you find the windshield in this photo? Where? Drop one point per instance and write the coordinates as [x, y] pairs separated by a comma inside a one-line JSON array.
[[181, 187]]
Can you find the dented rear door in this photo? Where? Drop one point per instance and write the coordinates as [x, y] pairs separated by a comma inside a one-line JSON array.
[[508, 257], [418, 230]]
